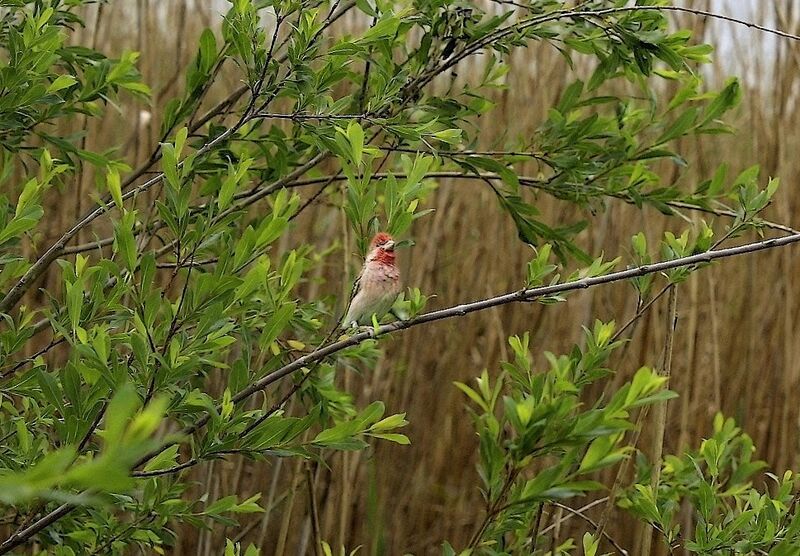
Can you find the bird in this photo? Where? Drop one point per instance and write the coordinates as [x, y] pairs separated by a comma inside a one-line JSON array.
[[377, 286]]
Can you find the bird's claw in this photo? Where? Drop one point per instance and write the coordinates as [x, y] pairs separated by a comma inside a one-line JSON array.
[[353, 328]]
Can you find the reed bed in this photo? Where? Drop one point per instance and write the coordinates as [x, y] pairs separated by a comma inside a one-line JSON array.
[[737, 344]]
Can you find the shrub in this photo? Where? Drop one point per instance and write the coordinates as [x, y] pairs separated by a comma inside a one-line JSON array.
[[108, 384]]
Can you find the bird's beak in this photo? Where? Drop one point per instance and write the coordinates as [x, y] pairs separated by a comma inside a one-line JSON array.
[[388, 246]]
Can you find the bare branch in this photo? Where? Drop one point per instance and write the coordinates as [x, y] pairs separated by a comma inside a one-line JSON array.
[[589, 520], [567, 14], [540, 184]]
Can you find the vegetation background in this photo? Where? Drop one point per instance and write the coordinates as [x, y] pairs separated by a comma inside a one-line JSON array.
[[738, 337]]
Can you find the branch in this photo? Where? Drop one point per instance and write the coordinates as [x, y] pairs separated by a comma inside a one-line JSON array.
[[589, 520], [566, 14], [523, 295], [168, 471], [540, 156], [527, 294], [21, 536], [584, 509], [537, 184], [290, 182], [307, 116]]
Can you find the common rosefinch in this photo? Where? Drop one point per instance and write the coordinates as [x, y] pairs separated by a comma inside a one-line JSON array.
[[378, 284]]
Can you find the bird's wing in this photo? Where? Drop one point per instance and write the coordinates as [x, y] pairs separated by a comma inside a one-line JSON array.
[[353, 292]]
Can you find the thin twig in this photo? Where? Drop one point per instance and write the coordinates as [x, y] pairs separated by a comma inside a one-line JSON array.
[[95, 423], [515, 28], [292, 181], [590, 521], [584, 509], [19, 364], [541, 157], [306, 116], [536, 525], [167, 471], [529, 181], [494, 508]]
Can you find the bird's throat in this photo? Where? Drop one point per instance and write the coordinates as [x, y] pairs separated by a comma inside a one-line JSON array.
[[385, 257]]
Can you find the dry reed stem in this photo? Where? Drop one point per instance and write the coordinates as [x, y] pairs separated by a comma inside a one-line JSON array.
[[660, 411]]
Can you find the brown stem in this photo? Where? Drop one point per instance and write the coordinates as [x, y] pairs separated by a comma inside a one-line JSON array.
[[589, 520], [661, 410], [493, 510], [312, 501]]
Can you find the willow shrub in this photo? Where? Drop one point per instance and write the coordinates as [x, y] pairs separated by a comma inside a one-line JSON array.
[[106, 385]]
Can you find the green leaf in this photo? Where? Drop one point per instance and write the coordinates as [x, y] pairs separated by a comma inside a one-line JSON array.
[[114, 186], [30, 192], [180, 140], [392, 437], [277, 323], [208, 50], [472, 394], [227, 189], [164, 460], [590, 544], [169, 163], [74, 299], [679, 127], [602, 452], [61, 82], [724, 101], [355, 135], [383, 29], [20, 225], [392, 422], [124, 240], [370, 414], [51, 389], [120, 410], [449, 136]]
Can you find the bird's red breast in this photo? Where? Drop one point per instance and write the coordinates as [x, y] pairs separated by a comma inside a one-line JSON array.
[[384, 257]]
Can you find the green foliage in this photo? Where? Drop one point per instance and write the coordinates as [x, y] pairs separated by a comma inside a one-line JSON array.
[[125, 439], [731, 516], [539, 442], [194, 316]]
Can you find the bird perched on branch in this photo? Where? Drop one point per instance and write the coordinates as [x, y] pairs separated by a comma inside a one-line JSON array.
[[378, 284]]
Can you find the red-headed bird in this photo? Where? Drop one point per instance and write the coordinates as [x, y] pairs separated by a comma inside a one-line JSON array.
[[378, 284]]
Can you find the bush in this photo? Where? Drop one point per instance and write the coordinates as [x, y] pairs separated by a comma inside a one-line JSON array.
[[108, 385]]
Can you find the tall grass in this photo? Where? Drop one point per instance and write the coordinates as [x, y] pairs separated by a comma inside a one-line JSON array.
[[736, 347]]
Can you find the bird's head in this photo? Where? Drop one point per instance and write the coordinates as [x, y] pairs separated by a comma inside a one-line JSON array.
[[381, 248], [383, 241]]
